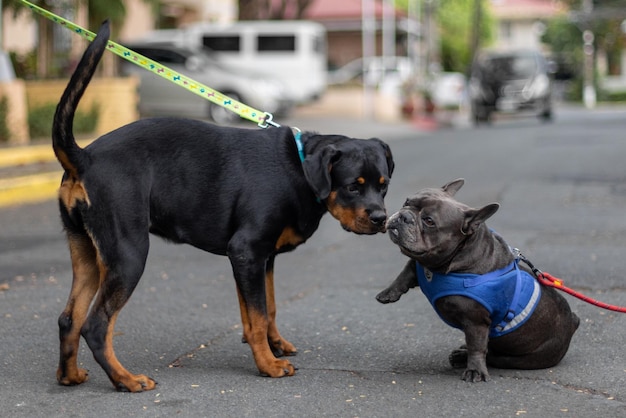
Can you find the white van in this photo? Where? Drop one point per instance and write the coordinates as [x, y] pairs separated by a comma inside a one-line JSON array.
[[293, 52]]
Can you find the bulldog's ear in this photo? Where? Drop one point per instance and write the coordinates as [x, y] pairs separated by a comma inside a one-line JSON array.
[[317, 167], [475, 217], [453, 187]]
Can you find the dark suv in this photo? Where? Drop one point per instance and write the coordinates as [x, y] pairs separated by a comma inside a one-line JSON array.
[[510, 82]]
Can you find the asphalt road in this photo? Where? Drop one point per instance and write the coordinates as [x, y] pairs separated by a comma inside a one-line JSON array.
[[562, 190]]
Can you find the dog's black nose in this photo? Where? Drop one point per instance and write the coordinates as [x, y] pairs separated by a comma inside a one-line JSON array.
[[406, 217], [378, 217]]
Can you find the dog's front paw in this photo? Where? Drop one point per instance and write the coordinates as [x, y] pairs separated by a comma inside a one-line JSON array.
[[389, 295], [277, 368], [473, 375]]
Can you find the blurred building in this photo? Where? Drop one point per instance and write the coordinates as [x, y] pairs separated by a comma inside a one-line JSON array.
[[521, 23]]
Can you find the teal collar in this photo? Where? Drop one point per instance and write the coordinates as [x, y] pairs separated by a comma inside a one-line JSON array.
[[299, 144]]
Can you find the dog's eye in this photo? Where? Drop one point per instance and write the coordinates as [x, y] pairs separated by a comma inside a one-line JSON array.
[[353, 188], [428, 221]]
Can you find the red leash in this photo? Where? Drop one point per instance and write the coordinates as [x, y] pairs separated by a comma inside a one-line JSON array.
[[547, 279]]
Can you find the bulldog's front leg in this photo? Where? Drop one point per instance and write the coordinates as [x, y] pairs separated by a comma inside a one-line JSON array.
[[407, 279], [474, 320], [476, 340]]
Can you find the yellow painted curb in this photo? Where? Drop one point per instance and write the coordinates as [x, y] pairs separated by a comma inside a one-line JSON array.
[[30, 154], [34, 188], [29, 189]]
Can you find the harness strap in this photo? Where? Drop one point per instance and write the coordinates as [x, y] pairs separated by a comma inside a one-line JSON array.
[[511, 312]]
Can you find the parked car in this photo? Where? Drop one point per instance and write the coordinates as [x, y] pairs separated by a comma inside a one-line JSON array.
[[510, 82], [158, 96], [374, 71]]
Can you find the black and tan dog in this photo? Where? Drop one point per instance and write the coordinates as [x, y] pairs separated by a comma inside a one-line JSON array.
[[472, 278], [242, 193]]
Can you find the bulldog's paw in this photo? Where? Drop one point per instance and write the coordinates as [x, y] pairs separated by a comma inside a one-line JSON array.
[[389, 295], [458, 357], [473, 376]]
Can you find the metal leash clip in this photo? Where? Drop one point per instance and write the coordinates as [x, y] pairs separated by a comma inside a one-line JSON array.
[[518, 254], [267, 121]]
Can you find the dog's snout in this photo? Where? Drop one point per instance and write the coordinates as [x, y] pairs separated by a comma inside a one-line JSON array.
[[378, 217], [406, 217], [400, 218]]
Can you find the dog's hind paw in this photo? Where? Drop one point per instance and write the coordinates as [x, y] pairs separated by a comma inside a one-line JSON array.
[[458, 358], [79, 376]]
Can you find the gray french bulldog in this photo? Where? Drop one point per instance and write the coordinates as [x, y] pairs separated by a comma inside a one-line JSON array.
[[473, 280]]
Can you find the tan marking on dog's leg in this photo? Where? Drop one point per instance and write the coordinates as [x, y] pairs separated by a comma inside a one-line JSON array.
[[85, 284], [122, 379], [255, 331], [277, 341], [245, 321]]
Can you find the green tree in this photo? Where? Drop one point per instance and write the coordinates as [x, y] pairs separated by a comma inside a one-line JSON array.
[[455, 22], [98, 11], [564, 37], [565, 42], [456, 25]]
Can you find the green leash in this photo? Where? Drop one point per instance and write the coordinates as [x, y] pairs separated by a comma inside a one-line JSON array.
[[262, 119]]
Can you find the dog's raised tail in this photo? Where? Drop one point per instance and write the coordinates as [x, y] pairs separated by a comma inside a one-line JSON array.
[[64, 145]]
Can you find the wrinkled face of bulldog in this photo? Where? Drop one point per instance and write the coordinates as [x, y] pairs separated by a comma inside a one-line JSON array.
[[432, 224], [428, 228]]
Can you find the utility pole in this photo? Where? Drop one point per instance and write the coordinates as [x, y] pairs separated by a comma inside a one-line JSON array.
[[389, 34], [368, 35], [589, 89]]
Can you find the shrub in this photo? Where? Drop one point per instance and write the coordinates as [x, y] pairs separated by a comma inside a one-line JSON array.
[[40, 120]]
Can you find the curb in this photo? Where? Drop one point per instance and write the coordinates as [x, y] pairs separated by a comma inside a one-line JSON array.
[[31, 188]]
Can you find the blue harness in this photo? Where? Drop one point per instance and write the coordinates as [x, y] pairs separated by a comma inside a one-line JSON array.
[[509, 294]]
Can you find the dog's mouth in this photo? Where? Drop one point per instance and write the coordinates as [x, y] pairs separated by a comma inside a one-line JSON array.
[[412, 254], [359, 221], [364, 228], [397, 238]]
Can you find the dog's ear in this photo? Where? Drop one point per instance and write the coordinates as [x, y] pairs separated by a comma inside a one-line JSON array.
[[475, 217], [453, 187], [317, 168], [390, 163]]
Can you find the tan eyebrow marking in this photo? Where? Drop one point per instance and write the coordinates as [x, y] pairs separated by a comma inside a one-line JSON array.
[[360, 180]]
